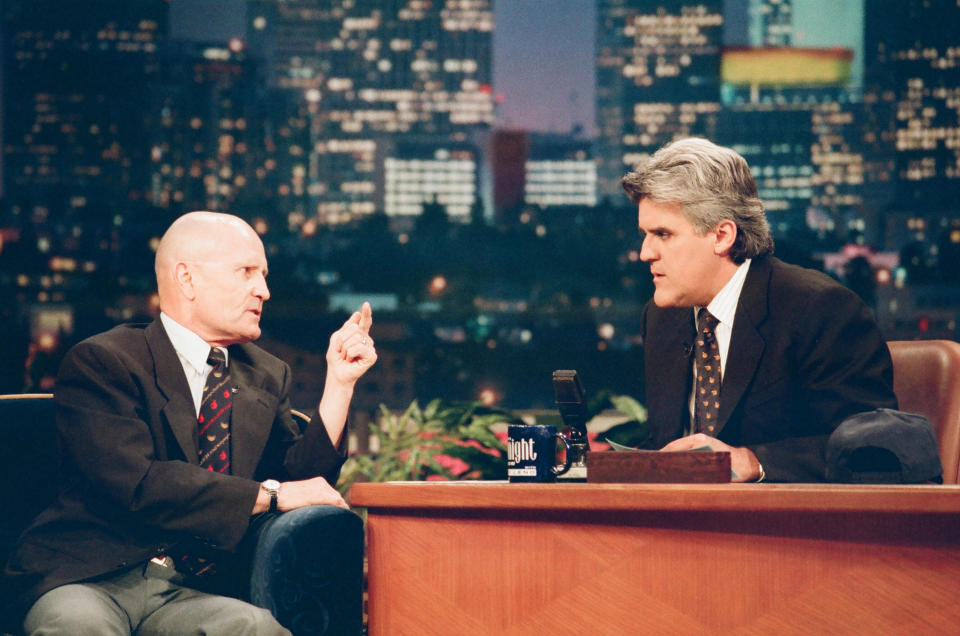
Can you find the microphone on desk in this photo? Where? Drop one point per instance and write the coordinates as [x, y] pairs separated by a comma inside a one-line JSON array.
[[572, 404], [571, 401]]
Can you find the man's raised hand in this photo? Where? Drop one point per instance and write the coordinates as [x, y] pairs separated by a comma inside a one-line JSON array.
[[351, 351]]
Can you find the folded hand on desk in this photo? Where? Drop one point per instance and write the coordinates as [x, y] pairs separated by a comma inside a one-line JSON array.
[[743, 463]]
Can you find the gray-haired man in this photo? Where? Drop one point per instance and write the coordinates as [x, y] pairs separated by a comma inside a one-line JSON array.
[[743, 352]]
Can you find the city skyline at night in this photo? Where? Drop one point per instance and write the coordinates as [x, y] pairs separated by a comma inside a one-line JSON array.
[[371, 148]]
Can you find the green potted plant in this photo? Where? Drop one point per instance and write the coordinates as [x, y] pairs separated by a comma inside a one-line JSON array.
[[440, 441]]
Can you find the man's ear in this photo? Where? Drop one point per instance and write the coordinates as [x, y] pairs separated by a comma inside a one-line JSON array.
[[184, 279], [726, 233]]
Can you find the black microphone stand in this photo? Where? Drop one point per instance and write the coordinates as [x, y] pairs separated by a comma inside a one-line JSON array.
[[571, 402]]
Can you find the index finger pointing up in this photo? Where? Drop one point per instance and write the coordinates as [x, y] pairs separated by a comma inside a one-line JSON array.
[[366, 318]]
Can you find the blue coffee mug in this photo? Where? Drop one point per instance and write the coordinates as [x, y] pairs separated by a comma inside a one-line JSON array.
[[532, 453]]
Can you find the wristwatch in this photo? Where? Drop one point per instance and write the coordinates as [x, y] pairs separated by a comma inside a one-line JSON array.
[[272, 486]]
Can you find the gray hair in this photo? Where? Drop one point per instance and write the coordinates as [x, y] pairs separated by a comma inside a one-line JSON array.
[[711, 184]]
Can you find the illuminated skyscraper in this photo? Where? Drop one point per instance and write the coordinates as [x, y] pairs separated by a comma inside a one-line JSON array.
[[658, 71], [77, 112], [416, 175], [790, 112], [770, 22], [77, 105], [792, 107], [913, 50], [369, 73], [824, 24], [207, 151], [913, 89], [540, 169], [560, 171]]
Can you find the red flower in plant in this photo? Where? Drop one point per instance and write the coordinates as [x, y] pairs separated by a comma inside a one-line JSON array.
[[595, 445], [475, 444], [455, 465]]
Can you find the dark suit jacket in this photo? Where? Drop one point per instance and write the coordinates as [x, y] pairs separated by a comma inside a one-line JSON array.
[[131, 484], [805, 353]]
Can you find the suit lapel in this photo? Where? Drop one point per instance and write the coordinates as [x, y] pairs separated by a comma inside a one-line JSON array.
[[746, 343], [253, 413], [253, 408], [669, 369], [179, 412]]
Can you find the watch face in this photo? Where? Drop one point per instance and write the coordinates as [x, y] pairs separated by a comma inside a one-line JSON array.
[[271, 485]]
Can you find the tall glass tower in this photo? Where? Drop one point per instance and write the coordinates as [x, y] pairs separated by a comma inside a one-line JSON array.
[[658, 72], [369, 74], [76, 98], [913, 63]]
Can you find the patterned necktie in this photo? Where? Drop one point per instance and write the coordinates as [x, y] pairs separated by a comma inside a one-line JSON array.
[[214, 435], [214, 418], [707, 356]]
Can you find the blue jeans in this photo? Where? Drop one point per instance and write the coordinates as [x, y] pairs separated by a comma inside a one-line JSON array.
[[307, 569]]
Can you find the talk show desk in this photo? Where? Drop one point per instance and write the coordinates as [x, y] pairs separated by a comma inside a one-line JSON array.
[[498, 558]]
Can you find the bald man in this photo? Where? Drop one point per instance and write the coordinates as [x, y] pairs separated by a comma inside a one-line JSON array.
[[147, 531]]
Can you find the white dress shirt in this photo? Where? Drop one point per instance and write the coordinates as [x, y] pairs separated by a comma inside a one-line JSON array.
[[193, 352]]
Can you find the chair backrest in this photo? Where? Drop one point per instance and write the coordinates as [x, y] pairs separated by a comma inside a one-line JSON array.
[[926, 379], [29, 464]]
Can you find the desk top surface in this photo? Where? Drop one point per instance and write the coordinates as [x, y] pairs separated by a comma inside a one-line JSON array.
[[480, 495]]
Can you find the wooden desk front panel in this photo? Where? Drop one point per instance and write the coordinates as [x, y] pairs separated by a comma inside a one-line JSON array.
[[488, 571]]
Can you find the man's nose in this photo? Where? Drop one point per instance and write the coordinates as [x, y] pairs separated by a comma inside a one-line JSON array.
[[261, 290], [647, 253]]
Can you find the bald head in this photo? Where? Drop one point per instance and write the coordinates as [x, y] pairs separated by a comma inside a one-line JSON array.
[[203, 257], [196, 236]]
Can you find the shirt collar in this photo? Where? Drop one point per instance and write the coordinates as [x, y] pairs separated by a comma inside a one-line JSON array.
[[191, 348], [724, 304]]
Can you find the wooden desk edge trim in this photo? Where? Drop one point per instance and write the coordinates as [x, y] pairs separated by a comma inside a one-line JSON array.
[[657, 497]]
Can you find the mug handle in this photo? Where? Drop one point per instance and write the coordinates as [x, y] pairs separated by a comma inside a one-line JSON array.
[[568, 457]]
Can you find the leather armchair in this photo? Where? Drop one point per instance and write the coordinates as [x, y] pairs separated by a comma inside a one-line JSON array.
[[28, 462], [926, 379]]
